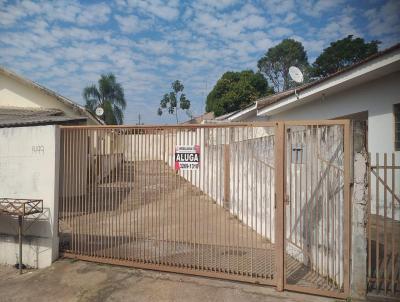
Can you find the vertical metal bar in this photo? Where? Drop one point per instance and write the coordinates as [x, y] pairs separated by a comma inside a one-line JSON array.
[[228, 230], [239, 192], [139, 187], [294, 167], [393, 275], [68, 178], [169, 220], [95, 224], [139, 190], [165, 187], [369, 219], [100, 163], [384, 222], [74, 200], [208, 191], [218, 208], [290, 172], [252, 201], [78, 193], [116, 190], [347, 208], [307, 209], [154, 203], [247, 191], [189, 211], [219, 204], [89, 193], [158, 200], [323, 201], [317, 214], [20, 223], [131, 205], [279, 202], [105, 195], [377, 271], [125, 192]]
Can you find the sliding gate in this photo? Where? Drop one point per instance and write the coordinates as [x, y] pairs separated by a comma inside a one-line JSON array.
[[208, 200]]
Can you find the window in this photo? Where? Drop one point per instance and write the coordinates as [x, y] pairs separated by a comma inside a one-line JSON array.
[[396, 108]]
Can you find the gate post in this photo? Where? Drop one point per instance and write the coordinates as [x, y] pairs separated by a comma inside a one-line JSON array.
[[359, 212], [279, 204]]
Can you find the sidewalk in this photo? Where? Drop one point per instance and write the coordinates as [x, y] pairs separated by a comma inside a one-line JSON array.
[[69, 280]]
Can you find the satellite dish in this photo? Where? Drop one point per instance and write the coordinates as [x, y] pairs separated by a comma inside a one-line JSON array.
[[99, 111], [296, 74]]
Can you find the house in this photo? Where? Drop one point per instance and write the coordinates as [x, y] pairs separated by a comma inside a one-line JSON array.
[[199, 119], [368, 91], [26, 103]]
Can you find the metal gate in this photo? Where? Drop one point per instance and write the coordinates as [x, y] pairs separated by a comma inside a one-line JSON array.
[[126, 199], [383, 227], [317, 207]]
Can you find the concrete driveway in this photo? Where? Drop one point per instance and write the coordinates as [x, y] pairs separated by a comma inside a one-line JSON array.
[[69, 280]]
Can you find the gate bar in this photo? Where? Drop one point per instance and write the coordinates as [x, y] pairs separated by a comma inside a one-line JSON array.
[[279, 203]]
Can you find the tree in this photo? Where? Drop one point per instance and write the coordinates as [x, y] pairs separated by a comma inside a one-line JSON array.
[[343, 53], [277, 60], [235, 90], [108, 95], [169, 102]]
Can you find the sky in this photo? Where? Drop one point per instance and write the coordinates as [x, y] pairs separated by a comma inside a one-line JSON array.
[[147, 44]]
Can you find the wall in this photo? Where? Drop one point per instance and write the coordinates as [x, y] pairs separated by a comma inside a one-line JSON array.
[[29, 159], [377, 97], [251, 176]]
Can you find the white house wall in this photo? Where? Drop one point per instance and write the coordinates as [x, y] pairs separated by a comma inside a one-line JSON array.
[[377, 97], [29, 161]]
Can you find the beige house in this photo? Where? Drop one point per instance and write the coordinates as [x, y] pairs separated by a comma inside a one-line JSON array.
[[26, 103]]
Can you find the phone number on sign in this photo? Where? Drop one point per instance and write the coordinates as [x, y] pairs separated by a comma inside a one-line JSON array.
[[189, 165]]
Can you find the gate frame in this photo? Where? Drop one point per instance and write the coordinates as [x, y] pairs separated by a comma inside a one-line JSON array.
[[281, 127], [279, 280]]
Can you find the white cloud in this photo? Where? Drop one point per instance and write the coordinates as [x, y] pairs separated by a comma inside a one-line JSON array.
[[385, 19], [94, 14], [167, 10], [149, 43], [339, 26], [220, 4], [131, 23], [280, 31], [157, 47], [279, 6], [318, 7]]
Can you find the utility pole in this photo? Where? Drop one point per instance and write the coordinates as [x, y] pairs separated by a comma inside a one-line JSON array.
[[139, 118]]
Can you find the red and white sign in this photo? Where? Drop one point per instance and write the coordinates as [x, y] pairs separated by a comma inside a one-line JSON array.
[[187, 157]]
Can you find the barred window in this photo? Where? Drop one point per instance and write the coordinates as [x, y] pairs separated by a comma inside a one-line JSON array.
[[397, 127]]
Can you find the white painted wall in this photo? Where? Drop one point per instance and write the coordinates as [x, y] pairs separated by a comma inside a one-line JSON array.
[[29, 159], [377, 97], [251, 152]]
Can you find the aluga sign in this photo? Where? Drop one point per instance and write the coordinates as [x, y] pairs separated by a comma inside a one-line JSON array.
[[187, 157]]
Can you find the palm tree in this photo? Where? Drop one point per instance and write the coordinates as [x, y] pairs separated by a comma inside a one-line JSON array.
[[108, 95]]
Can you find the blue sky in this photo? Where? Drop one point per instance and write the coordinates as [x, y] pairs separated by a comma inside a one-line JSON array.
[[66, 45]]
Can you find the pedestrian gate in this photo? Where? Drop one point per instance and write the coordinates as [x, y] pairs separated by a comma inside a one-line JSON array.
[[263, 202]]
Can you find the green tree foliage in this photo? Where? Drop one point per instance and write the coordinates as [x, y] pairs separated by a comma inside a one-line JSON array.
[[110, 96], [343, 53], [277, 60], [170, 100], [235, 90]]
